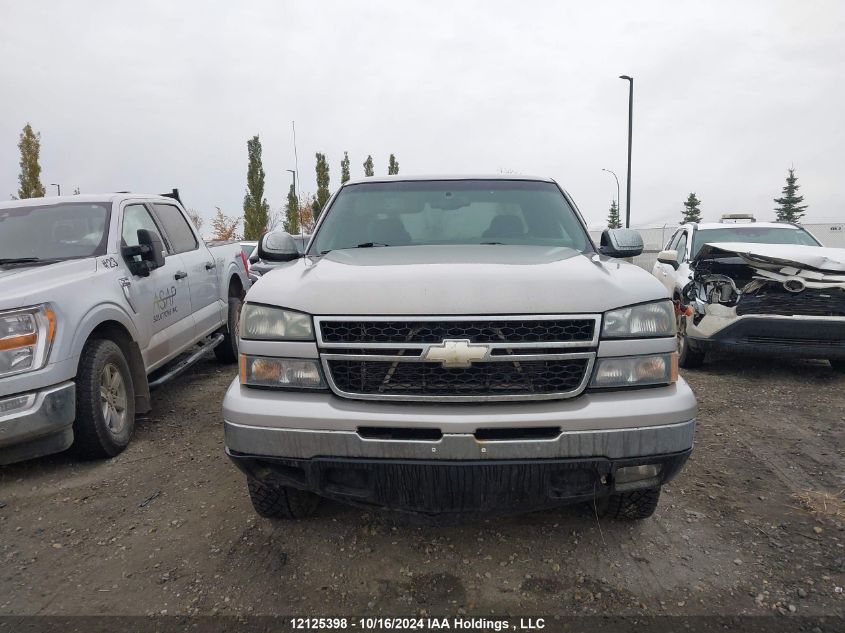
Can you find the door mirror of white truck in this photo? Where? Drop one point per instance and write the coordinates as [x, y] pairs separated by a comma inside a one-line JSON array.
[[669, 257], [277, 246], [147, 255], [621, 243]]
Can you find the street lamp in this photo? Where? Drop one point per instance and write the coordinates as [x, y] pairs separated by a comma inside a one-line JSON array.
[[613, 173], [58, 188], [630, 81]]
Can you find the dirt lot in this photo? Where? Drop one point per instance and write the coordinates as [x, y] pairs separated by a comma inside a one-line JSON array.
[[754, 525]]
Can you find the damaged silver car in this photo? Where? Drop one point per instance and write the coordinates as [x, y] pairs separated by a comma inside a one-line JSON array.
[[782, 298]]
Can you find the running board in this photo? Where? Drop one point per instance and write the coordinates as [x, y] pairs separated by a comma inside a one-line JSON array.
[[180, 366]]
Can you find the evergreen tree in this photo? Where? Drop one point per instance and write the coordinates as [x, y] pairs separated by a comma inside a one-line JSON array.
[[691, 212], [368, 167], [789, 207], [392, 166], [344, 168], [291, 222], [613, 221], [323, 194], [256, 209], [30, 176]]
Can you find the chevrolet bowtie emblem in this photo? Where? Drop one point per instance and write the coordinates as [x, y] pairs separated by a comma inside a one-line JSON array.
[[456, 353]]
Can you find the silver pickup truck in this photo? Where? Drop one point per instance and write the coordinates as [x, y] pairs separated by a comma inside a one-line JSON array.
[[457, 345], [98, 292]]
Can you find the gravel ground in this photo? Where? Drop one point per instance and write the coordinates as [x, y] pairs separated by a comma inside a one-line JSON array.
[[754, 525]]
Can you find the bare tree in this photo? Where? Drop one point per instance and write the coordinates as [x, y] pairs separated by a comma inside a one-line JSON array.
[[274, 219], [224, 227], [195, 218]]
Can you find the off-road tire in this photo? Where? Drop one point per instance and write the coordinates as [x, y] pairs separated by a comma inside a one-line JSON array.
[[227, 350], [838, 364], [688, 358], [281, 502], [93, 439], [631, 506]]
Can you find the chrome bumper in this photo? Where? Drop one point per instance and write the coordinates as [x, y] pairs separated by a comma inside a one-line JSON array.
[[38, 423]]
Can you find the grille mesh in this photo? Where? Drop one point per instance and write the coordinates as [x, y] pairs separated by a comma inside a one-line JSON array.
[[477, 331], [810, 302], [481, 379]]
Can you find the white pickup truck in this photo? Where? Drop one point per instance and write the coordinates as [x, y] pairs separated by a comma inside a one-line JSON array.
[[98, 292]]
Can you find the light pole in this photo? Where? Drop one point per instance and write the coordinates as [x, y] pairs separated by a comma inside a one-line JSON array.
[[630, 81], [613, 173], [58, 188]]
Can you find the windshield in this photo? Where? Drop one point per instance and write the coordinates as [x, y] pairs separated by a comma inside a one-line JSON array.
[[752, 234], [416, 213], [65, 230]]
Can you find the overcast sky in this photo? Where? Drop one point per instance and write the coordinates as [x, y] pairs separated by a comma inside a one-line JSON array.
[[146, 96]]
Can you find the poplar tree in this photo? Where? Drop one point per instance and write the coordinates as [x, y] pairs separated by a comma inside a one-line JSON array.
[[256, 209], [392, 166], [344, 168], [613, 221], [30, 176], [789, 207], [691, 212], [368, 167], [291, 222], [323, 194]]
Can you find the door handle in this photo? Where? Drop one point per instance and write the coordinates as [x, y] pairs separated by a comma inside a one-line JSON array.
[[180, 275], [210, 265]]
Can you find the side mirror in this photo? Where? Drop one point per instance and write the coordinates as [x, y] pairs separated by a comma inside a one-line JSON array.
[[621, 243], [669, 257], [150, 253], [277, 246]]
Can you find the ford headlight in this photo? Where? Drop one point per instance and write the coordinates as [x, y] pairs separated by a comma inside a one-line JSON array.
[[26, 336], [267, 323], [639, 321], [281, 373], [635, 371]]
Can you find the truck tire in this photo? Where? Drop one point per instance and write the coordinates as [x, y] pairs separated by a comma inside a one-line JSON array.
[[281, 502], [838, 364], [227, 350], [631, 506], [105, 401], [688, 358]]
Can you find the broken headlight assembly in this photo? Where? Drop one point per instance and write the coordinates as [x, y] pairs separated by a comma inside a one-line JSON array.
[[26, 336], [640, 321]]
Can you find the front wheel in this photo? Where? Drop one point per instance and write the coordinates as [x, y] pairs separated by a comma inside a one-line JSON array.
[[688, 358], [227, 350], [105, 401], [281, 502], [631, 506]]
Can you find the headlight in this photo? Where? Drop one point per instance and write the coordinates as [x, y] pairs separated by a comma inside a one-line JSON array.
[[275, 324], [25, 339], [635, 371], [281, 373], [646, 319]]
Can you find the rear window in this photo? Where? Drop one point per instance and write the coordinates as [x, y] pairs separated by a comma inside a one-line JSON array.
[[176, 226]]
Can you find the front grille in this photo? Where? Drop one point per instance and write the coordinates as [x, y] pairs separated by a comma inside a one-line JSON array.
[[499, 378], [809, 302], [515, 330], [797, 340]]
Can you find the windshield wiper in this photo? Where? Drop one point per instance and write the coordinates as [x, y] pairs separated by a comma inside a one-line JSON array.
[[492, 243], [28, 260], [371, 245]]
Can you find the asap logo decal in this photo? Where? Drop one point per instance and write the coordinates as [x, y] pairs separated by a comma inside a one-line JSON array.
[[164, 303]]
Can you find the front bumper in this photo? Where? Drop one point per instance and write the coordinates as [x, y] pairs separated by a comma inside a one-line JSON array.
[[436, 458], [794, 337], [40, 424]]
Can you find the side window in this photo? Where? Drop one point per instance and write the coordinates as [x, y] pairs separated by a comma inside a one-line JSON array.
[[136, 216], [682, 246], [181, 236], [670, 245]]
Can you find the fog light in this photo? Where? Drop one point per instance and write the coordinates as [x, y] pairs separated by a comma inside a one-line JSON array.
[[633, 477], [17, 403]]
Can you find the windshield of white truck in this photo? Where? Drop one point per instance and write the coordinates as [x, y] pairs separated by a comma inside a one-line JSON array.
[[50, 232], [450, 212], [752, 234]]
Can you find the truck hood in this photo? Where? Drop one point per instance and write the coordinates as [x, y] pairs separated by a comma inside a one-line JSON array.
[[29, 285], [829, 260], [441, 280]]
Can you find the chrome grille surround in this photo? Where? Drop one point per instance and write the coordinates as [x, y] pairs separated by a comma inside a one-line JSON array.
[[412, 351]]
